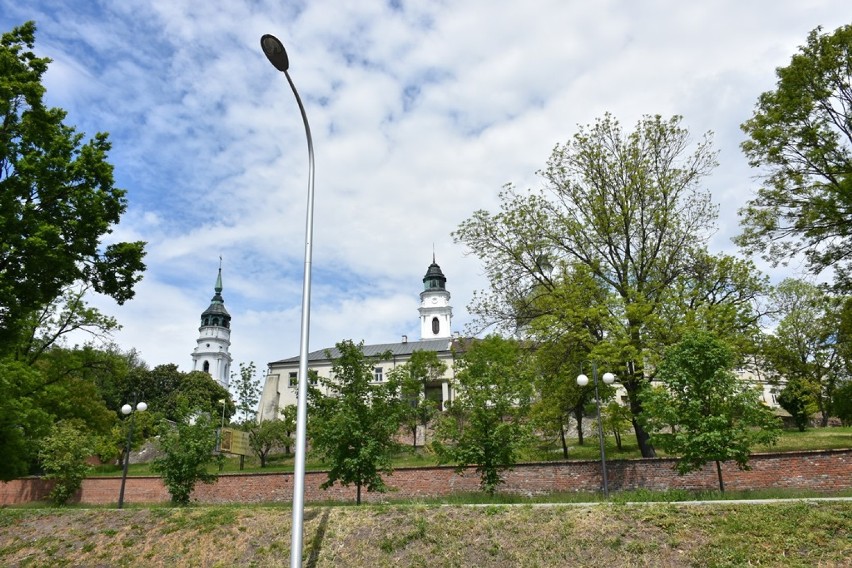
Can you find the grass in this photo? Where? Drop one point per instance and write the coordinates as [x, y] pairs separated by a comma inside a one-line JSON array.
[[663, 534], [790, 441]]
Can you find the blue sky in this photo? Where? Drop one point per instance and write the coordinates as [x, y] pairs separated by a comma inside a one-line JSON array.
[[420, 112]]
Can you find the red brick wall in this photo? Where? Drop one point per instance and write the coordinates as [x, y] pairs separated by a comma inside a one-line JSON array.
[[821, 471]]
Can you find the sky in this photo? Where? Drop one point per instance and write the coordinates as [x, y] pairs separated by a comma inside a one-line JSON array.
[[420, 111]]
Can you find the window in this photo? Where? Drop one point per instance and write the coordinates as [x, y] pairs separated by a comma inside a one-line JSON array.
[[293, 379], [378, 374], [436, 326], [207, 366]]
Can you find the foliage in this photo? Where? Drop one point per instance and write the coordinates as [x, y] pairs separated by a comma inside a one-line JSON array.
[[615, 419], [354, 422], [843, 403], [628, 207], [486, 425], [63, 455], [22, 421], [414, 376], [173, 393], [268, 435], [798, 397], [57, 199], [805, 346], [801, 137], [703, 412], [247, 390], [188, 448]]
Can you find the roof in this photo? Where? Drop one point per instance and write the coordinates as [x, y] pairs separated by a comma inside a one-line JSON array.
[[396, 349]]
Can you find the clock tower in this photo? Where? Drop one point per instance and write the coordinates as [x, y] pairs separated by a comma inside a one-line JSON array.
[[214, 339], [436, 314]]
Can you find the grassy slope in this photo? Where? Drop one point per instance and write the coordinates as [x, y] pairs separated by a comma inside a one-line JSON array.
[[787, 534]]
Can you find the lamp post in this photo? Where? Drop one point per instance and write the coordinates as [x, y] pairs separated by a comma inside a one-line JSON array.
[[274, 51], [127, 409], [608, 378]]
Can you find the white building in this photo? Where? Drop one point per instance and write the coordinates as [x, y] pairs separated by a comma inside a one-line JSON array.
[[279, 389], [211, 353]]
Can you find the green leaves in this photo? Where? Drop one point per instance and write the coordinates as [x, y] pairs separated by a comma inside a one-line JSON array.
[[800, 136], [188, 448]]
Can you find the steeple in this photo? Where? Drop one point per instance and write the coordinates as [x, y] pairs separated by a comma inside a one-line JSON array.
[[211, 355], [435, 311]]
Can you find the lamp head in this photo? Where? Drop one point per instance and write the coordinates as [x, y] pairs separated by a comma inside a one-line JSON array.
[[582, 380], [608, 378], [142, 406], [126, 409], [275, 52]]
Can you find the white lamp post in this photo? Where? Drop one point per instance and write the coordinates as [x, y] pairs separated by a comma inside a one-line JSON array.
[[276, 54], [608, 378], [127, 409]]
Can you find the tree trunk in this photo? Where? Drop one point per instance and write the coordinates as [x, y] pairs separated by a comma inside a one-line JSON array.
[[358, 494], [578, 416], [719, 473], [564, 443], [414, 437], [618, 440], [643, 439]]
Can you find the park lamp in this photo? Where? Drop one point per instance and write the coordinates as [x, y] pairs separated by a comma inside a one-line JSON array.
[[127, 410], [277, 55], [608, 378]]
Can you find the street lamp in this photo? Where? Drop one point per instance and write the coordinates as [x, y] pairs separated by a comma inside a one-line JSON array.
[[127, 409], [608, 378], [277, 55]]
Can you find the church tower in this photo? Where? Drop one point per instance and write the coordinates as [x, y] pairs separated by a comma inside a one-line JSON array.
[[211, 354], [436, 314]]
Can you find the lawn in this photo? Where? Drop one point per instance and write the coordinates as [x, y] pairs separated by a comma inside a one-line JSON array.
[[790, 441]]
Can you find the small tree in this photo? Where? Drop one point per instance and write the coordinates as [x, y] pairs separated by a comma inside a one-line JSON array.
[[188, 448], [423, 368], [63, 457], [616, 419], [268, 435], [354, 426], [715, 416], [288, 417], [247, 390], [843, 403], [486, 425], [798, 397]]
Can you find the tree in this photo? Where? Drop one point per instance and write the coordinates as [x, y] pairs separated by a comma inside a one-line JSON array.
[[247, 390], [843, 403], [616, 419], [57, 199], [22, 421], [798, 397], [702, 412], [422, 369], [63, 454], [628, 207], [268, 435], [188, 449], [801, 137], [487, 424], [805, 348], [288, 417], [354, 424]]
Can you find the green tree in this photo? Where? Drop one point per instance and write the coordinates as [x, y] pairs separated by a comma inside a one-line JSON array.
[[804, 347], [616, 419], [267, 436], [702, 412], [801, 139], [798, 397], [422, 369], [63, 454], [843, 403], [57, 199], [355, 421], [487, 425], [188, 449], [626, 205], [22, 421], [247, 390]]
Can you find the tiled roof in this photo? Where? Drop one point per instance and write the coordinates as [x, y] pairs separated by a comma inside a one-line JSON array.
[[396, 349]]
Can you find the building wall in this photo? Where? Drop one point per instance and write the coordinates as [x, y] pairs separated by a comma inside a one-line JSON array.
[[819, 471]]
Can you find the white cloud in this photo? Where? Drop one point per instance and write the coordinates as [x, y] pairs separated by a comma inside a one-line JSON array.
[[418, 118]]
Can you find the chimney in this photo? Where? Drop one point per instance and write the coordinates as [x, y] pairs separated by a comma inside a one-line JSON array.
[[405, 339]]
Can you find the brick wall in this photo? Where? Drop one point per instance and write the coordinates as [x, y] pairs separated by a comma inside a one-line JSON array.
[[821, 471]]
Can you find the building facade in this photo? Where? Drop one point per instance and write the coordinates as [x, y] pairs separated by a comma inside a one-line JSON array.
[[282, 377]]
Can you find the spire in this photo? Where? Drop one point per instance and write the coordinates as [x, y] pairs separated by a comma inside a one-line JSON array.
[[216, 314], [434, 279]]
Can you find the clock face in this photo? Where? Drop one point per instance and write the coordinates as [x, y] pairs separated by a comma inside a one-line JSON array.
[[434, 300]]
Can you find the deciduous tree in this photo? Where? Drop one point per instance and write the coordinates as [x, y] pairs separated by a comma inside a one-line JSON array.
[[702, 412], [800, 137], [188, 448]]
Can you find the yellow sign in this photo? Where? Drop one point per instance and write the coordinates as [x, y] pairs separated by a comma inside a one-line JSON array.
[[235, 442]]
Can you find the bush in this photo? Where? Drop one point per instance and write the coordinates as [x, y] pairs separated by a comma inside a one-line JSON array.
[[63, 456]]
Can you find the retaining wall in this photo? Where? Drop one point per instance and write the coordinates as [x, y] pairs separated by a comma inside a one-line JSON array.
[[821, 471]]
